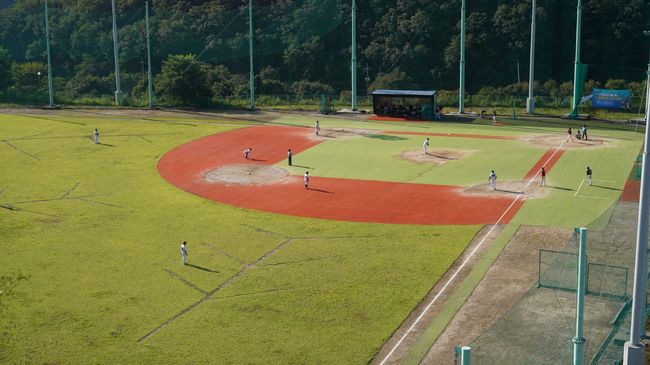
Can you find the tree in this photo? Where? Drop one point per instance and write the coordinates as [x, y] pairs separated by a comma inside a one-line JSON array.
[[25, 76], [184, 78], [5, 69]]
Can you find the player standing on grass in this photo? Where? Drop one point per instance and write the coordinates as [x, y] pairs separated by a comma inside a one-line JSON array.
[[184, 252], [543, 182], [247, 152], [96, 136], [306, 179], [494, 117], [589, 173], [493, 180], [425, 146], [317, 128]]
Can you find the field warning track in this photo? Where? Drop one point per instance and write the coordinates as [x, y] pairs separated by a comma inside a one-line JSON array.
[[186, 167]]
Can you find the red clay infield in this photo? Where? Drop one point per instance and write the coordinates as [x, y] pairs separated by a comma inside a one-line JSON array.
[[328, 198], [632, 191]]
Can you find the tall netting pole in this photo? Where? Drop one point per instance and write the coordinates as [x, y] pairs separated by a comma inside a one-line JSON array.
[[354, 55], [530, 103], [50, 89], [118, 89], [634, 349], [250, 53], [461, 89], [149, 72], [581, 289], [577, 84]]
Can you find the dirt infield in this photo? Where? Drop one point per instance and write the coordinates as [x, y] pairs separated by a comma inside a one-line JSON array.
[[330, 198], [342, 133], [510, 188], [247, 174], [553, 140], [436, 156]]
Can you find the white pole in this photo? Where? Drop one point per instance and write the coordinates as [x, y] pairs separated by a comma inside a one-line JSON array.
[[579, 339], [634, 348], [530, 102]]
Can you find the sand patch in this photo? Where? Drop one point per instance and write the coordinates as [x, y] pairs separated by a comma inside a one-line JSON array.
[[511, 188], [247, 175], [436, 156], [344, 133], [554, 140]]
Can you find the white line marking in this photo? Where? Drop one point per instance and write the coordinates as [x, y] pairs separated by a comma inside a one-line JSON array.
[[582, 182], [417, 320]]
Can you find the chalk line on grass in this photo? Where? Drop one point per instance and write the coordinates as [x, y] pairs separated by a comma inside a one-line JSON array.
[[579, 187], [462, 265]]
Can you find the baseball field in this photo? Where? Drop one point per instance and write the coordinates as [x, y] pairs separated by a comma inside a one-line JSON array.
[[277, 273]]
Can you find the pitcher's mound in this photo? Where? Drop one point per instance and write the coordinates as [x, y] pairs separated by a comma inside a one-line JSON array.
[[512, 188], [247, 175], [437, 156], [554, 140]]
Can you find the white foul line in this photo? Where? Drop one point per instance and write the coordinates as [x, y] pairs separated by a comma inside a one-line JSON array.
[[417, 320], [576, 194]]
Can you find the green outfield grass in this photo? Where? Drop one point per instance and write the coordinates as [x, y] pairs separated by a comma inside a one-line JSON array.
[[91, 237], [91, 260]]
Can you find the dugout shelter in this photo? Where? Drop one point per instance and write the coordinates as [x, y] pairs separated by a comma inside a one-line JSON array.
[[419, 104]]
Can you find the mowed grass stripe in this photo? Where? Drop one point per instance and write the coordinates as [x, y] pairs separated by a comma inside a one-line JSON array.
[[97, 275]]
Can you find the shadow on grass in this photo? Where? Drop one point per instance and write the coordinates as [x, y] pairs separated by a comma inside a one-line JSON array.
[[605, 187], [559, 188], [201, 268], [384, 137], [304, 167]]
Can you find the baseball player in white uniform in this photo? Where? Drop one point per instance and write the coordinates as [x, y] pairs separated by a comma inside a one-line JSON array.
[[247, 152], [184, 252], [425, 146], [306, 179], [493, 180], [317, 128], [96, 136]]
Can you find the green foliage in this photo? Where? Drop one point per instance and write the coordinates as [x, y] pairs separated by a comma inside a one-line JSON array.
[[25, 76], [308, 40], [5, 69], [310, 89], [395, 79], [185, 79]]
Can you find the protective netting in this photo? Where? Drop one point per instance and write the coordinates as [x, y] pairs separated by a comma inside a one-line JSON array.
[[539, 328], [301, 50]]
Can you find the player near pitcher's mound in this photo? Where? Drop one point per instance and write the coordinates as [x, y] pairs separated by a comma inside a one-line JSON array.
[[492, 178], [425, 146]]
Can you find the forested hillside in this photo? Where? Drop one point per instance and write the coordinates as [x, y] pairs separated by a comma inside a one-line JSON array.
[[303, 46]]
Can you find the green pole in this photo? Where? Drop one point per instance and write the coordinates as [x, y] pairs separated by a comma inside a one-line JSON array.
[[149, 72], [574, 112], [579, 340], [530, 102], [250, 53], [50, 89], [461, 89], [118, 91], [354, 55], [466, 355]]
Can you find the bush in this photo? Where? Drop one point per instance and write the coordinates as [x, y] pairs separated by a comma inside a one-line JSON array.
[[185, 79], [310, 89], [26, 79]]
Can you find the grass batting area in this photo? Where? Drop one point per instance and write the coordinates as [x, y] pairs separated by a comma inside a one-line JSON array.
[[91, 269]]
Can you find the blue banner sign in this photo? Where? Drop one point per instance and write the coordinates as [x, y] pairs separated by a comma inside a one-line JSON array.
[[611, 99]]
